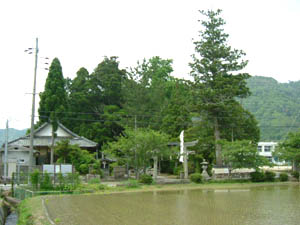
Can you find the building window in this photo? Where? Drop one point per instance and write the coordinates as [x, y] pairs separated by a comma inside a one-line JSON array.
[[259, 148], [267, 148], [21, 160]]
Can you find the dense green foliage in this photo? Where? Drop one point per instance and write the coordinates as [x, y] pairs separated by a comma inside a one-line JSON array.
[[73, 154], [257, 176], [131, 183], [54, 98], [44, 181], [289, 150], [137, 148], [296, 175], [275, 106], [146, 179], [270, 176], [95, 102], [35, 179], [196, 178], [242, 154], [133, 114], [283, 177]]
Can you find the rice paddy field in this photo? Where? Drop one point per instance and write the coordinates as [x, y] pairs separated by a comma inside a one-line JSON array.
[[253, 205]]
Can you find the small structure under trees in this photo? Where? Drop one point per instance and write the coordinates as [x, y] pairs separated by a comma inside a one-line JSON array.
[[43, 141]]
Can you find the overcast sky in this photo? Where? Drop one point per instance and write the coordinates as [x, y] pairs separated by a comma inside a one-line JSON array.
[[80, 33]]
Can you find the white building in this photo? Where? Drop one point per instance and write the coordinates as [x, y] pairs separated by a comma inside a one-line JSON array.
[[266, 149]]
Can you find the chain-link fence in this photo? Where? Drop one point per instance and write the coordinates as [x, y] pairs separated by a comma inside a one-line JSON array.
[[26, 185], [22, 193]]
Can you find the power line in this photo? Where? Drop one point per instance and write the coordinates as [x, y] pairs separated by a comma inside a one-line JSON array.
[[158, 122]]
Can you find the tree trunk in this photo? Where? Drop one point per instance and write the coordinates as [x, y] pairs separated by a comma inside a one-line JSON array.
[[295, 165], [218, 146], [155, 167], [159, 166], [185, 164]]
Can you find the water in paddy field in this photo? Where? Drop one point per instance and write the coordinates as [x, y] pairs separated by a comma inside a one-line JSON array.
[[265, 205], [11, 219]]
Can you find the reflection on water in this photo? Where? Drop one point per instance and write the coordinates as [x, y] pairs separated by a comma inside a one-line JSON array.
[[12, 219], [272, 205]]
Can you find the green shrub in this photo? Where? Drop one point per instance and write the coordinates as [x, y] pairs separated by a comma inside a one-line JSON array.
[[270, 176], [146, 179], [132, 183], [45, 182], [196, 178], [102, 187], [84, 168], [35, 178], [73, 179], [177, 170], [61, 181], [94, 181], [296, 175], [96, 168], [283, 177], [257, 176], [111, 167]]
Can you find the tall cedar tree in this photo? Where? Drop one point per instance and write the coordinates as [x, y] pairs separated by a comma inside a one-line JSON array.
[[215, 69], [53, 100]]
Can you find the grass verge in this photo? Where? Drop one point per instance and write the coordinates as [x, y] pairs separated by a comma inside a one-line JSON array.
[[31, 212]]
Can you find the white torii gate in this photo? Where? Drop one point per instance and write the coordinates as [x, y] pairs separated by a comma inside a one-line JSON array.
[[184, 152]]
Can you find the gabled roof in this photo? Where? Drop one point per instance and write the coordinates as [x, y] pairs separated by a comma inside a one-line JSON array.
[[41, 139]]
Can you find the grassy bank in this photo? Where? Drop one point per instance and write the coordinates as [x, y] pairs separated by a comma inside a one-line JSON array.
[[174, 187], [31, 210]]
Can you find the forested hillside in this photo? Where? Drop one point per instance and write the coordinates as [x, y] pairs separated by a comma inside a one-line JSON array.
[[276, 106], [12, 134]]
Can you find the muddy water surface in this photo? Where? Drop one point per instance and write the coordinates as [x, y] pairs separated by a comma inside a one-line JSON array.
[[269, 205]]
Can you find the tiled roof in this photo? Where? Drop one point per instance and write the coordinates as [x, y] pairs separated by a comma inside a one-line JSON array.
[[47, 141]]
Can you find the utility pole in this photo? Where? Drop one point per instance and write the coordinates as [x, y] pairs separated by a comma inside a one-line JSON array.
[[135, 158], [5, 152], [33, 107]]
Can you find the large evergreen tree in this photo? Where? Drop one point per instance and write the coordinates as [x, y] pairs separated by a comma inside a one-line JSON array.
[[176, 114], [95, 101], [215, 69], [53, 101], [80, 105]]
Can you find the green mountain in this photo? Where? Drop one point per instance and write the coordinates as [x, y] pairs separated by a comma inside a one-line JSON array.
[[12, 134], [276, 106]]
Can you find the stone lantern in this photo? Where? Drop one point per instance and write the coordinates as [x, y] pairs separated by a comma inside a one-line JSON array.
[[204, 170]]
